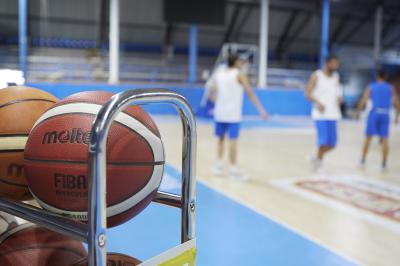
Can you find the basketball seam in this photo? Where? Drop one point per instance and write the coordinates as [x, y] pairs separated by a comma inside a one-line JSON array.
[[12, 184], [25, 100], [33, 247], [15, 230], [157, 133], [14, 135], [91, 115], [11, 151], [122, 200], [70, 214], [85, 162]]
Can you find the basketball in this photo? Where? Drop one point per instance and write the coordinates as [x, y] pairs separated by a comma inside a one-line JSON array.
[[114, 259], [30, 245], [57, 151], [20, 107]]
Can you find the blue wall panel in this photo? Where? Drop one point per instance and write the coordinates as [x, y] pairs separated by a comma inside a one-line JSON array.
[[277, 101]]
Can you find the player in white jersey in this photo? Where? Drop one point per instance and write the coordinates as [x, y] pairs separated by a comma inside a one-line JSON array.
[[228, 87], [325, 93]]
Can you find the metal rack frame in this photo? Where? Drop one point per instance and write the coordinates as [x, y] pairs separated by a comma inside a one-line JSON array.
[[94, 233]]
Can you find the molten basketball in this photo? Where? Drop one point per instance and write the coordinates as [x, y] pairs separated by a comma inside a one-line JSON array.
[[114, 259], [30, 245], [57, 150], [20, 107]]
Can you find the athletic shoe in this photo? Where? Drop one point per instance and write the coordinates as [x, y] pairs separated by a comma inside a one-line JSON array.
[[218, 168], [361, 164], [384, 167], [236, 174], [315, 163]]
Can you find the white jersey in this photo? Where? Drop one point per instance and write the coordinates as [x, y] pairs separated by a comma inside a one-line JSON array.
[[327, 91], [229, 100]]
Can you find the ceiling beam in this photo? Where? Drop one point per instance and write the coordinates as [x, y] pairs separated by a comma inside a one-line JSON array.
[[232, 23], [390, 24], [338, 30], [300, 27], [242, 22], [394, 42], [286, 30], [102, 24]]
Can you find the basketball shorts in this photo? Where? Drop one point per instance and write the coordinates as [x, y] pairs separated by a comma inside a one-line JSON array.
[[377, 125], [232, 129], [326, 132]]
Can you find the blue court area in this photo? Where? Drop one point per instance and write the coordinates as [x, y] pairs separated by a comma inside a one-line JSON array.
[[228, 233]]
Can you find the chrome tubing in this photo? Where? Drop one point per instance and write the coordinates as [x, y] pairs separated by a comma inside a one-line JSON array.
[[45, 218], [97, 166]]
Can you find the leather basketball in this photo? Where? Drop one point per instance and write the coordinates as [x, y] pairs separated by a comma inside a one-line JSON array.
[[57, 150], [20, 107], [31, 245]]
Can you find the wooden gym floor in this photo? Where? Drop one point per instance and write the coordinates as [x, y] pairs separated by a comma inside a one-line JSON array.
[[274, 155]]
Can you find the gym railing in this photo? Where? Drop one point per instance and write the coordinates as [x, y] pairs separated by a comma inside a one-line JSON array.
[[94, 232]]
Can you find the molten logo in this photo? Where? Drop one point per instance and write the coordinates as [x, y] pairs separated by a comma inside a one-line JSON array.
[[15, 170], [75, 135]]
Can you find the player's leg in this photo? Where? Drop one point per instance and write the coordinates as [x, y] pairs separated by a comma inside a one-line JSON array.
[[385, 152], [220, 149], [370, 131], [365, 149], [234, 171], [383, 130], [220, 130], [322, 136], [331, 137], [233, 151]]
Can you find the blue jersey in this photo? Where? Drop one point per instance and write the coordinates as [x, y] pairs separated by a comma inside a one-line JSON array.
[[381, 96]]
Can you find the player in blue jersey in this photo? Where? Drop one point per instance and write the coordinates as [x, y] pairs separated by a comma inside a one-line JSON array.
[[382, 96]]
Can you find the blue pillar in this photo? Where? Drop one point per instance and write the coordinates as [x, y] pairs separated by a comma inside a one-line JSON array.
[[193, 54], [23, 42], [324, 32]]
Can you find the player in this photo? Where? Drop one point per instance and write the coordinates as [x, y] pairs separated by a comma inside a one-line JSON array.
[[228, 86], [382, 95], [325, 93]]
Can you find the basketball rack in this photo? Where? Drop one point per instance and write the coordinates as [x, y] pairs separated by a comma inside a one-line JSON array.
[[94, 232]]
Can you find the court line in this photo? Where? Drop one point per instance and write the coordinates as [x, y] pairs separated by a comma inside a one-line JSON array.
[[276, 220]]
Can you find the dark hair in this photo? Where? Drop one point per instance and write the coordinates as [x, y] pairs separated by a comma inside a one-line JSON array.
[[232, 58], [331, 57], [380, 73]]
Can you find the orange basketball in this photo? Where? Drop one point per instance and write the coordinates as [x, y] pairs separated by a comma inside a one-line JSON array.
[[31, 245], [20, 107], [56, 157]]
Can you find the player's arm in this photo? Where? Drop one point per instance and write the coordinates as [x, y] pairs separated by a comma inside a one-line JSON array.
[[363, 101], [212, 93], [253, 98], [309, 92]]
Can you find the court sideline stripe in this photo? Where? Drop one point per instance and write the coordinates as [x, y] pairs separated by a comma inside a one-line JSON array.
[[276, 220]]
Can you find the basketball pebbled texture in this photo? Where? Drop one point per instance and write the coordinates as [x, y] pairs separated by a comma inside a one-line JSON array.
[[57, 150], [31, 245], [20, 107]]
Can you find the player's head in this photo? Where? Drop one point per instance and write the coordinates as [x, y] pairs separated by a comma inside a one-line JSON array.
[[234, 61], [332, 63], [381, 75]]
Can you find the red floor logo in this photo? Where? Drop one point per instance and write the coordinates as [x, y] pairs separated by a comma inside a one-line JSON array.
[[356, 195]]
